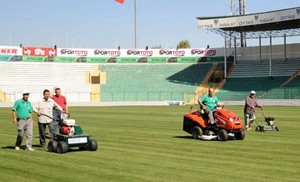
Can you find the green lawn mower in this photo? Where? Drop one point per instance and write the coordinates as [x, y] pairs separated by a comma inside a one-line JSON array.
[[271, 125], [70, 135]]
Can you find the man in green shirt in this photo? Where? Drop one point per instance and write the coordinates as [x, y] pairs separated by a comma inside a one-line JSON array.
[[208, 102], [21, 113]]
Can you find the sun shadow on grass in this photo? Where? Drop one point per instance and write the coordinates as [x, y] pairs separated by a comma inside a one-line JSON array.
[[23, 147], [75, 150], [191, 138], [8, 147], [38, 147], [183, 137]]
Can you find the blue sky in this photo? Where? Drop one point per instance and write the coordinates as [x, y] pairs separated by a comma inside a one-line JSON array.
[[107, 24]]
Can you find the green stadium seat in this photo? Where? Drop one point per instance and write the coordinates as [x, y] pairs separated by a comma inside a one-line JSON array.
[[254, 75], [239, 88], [153, 82]]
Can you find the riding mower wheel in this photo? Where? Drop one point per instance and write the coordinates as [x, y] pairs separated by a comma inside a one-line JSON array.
[[197, 132], [52, 146], [240, 135], [62, 147], [92, 145], [222, 135]]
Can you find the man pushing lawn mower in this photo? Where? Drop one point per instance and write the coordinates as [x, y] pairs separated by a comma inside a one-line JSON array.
[[45, 106], [249, 109]]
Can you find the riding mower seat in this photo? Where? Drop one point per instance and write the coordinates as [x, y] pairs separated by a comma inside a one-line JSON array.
[[205, 118]]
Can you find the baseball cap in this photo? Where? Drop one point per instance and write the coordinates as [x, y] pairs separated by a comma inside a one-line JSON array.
[[25, 92], [252, 92]]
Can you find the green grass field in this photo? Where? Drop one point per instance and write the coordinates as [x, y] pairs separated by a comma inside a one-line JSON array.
[[148, 144]]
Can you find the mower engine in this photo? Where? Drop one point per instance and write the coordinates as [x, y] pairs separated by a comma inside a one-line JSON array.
[[270, 121], [68, 127]]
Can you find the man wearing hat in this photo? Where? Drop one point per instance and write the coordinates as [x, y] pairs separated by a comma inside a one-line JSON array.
[[249, 110], [21, 113]]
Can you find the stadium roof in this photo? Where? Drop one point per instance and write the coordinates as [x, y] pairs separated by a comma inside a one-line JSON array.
[[273, 23]]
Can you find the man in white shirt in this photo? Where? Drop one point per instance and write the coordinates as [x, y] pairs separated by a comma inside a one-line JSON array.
[[44, 109]]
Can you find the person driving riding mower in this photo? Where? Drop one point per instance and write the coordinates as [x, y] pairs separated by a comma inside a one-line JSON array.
[[208, 103]]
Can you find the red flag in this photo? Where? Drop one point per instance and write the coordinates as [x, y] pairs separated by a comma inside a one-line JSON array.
[[120, 1]]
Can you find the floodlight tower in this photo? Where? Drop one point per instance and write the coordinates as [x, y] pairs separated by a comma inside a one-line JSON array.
[[241, 10], [233, 8]]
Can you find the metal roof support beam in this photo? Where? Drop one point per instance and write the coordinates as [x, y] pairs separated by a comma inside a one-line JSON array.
[[284, 47], [270, 57], [259, 40], [256, 35], [234, 58], [225, 59]]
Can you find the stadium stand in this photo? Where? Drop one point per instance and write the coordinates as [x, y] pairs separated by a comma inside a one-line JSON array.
[[140, 82], [35, 77], [254, 75], [289, 91], [261, 69], [283, 93], [294, 83], [239, 88]]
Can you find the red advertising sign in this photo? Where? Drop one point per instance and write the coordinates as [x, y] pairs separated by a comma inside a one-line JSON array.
[[10, 50], [39, 51]]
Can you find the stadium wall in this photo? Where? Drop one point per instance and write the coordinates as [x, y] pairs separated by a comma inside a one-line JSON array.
[[140, 75], [101, 82], [252, 53]]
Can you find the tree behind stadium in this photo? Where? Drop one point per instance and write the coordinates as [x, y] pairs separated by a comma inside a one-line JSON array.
[[183, 44]]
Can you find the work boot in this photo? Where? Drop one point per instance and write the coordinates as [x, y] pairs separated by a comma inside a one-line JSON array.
[[214, 125], [30, 149]]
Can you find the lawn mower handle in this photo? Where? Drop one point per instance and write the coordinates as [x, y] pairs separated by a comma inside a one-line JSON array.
[[261, 109], [52, 117], [42, 114]]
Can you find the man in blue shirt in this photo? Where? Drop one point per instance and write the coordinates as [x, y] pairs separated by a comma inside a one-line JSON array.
[[21, 113], [208, 102]]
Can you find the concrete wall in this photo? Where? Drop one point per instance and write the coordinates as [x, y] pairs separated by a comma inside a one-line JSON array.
[[252, 53]]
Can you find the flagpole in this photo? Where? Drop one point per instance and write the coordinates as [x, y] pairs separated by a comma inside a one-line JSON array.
[[135, 24]]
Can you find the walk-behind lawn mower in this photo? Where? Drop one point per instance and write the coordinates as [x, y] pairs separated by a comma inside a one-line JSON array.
[[271, 125], [70, 135], [228, 125]]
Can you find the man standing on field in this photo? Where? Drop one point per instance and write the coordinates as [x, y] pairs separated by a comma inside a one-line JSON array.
[[21, 113], [44, 111]]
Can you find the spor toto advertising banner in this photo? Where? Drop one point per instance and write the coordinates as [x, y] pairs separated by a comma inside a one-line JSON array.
[[10, 50], [194, 52], [39, 51], [79, 52]]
